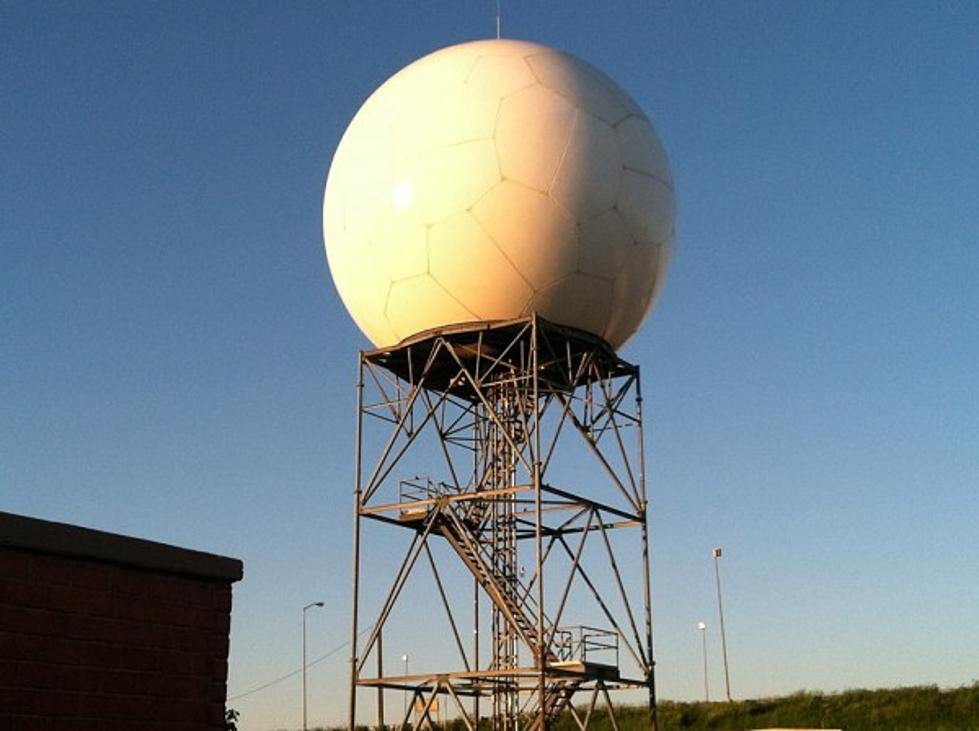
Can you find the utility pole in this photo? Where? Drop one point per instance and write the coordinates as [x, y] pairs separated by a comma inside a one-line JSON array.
[[308, 606], [703, 641], [720, 610]]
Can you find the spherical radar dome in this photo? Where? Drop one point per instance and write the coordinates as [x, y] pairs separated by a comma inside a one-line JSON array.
[[493, 179]]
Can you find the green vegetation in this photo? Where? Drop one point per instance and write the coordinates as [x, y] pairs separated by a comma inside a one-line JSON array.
[[925, 708], [902, 709]]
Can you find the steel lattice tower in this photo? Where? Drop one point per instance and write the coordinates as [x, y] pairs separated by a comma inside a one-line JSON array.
[[501, 415]]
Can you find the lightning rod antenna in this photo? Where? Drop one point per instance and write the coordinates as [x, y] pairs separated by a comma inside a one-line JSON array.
[[499, 13]]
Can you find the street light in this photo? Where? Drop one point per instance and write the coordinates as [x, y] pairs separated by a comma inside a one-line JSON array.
[[308, 606], [703, 641], [716, 553], [404, 659]]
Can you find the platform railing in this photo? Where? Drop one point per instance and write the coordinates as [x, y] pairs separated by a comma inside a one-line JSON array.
[[586, 645]]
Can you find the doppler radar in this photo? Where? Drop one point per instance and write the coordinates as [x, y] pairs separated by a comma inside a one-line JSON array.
[[499, 218], [494, 179]]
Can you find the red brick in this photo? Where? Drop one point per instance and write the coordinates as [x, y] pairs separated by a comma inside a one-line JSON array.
[[158, 586], [19, 723], [185, 663], [21, 647], [83, 601], [185, 639], [136, 583], [130, 632], [182, 590], [144, 634], [104, 654], [128, 608], [129, 583], [220, 622], [132, 707], [8, 671], [39, 675], [147, 634], [129, 725], [218, 691], [21, 593], [62, 704], [81, 627], [46, 649], [215, 714], [186, 616], [52, 570], [14, 564], [218, 646], [35, 723], [100, 629], [31, 621], [126, 682], [141, 658], [219, 670], [122, 650], [186, 686], [23, 702], [93, 576], [95, 705], [82, 679], [221, 598], [159, 612], [185, 709]]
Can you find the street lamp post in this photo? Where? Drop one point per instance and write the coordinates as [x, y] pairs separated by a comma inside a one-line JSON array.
[[703, 641], [308, 606], [720, 610], [404, 659]]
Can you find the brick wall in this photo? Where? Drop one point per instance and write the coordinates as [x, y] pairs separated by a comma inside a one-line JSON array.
[[108, 639]]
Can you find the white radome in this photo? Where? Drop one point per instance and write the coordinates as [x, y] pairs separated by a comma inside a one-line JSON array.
[[493, 179]]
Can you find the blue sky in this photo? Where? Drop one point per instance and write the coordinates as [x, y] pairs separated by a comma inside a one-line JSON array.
[[175, 363]]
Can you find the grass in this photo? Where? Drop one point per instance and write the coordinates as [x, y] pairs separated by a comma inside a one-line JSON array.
[[925, 708], [922, 708]]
